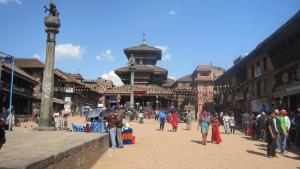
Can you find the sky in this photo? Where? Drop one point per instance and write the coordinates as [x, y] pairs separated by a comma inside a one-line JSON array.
[[93, 33]]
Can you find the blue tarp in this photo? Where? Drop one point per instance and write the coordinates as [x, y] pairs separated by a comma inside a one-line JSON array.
[[95, 113]]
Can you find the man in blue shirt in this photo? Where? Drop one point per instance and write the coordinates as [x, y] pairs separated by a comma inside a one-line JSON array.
[[162, 118]]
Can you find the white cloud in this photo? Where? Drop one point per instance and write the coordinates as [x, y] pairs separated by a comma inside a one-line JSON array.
[[172, 77], [7, 1], [172, 12], [106, 56], [113, 77], [165, 55], [68, 51], [37, 56]]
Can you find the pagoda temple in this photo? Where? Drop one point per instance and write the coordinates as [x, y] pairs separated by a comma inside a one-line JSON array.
[[146, 71], [149, 80]]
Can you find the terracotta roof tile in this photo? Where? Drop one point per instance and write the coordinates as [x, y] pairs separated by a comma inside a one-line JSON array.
[[29, 63]]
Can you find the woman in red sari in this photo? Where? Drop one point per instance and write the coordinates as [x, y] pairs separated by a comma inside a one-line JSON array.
[[215, 137], [175, 121], [251, 125]]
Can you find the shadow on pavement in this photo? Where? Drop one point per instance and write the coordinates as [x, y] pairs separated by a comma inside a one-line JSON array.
[[248, 138], [264, 149], [196, 141], [261, 145], [256, 153], [294, 158]]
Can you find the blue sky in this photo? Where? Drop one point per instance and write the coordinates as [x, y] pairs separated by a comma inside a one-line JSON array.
[[94, 33]]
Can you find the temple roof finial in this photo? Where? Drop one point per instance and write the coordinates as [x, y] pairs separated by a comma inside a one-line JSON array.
[[144, 39]]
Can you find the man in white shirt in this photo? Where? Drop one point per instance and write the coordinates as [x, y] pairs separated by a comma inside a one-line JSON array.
[[226, 119]]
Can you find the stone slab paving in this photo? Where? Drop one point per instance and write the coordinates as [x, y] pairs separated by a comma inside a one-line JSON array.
[[24, 148]]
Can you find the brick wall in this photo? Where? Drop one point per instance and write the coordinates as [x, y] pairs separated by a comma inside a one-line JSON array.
[[83, 156]]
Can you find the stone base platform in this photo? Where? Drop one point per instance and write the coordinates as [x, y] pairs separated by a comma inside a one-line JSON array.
[[52, 149]]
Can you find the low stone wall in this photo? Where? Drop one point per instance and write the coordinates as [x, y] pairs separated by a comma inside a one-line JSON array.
[[81, 157], [52, 150]]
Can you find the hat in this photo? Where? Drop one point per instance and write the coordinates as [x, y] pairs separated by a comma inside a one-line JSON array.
[[283, 112], [126, 126], [276, 111]]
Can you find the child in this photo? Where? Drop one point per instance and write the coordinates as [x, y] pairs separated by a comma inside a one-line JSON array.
[[231, 123], [63, 123]]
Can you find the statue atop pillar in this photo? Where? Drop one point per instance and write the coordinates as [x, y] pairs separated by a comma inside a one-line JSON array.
[[52, 23], [52, 9]]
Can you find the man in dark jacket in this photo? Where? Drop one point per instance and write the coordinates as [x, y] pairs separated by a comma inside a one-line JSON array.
[[261, 126], [272, 133], [112, 122], [119, 127]]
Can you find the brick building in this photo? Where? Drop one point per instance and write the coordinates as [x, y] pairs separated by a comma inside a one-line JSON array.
[[267, 78], [197, 88]]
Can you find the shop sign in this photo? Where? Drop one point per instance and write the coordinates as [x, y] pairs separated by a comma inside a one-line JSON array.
[[293, 89], [69, 90]]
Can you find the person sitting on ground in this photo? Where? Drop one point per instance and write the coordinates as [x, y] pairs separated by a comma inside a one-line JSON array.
[[63, 123]]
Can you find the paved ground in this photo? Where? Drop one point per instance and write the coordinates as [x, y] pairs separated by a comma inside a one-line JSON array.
[[182, 150]]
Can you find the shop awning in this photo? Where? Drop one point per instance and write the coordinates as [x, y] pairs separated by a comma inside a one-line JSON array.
[[287, 91]]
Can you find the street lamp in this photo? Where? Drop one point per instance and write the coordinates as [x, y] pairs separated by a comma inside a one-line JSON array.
[[9, 59]]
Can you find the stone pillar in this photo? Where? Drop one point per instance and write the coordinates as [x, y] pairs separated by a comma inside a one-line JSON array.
[[52, 24], [132, 88]]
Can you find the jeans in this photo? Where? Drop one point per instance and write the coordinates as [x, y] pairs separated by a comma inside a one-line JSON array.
[[119, 136], [262, 134], [226, 128], [188, 125], [112, 133], [271, 148], [282, 142], [232, 128], [162, 124], [297, 139]]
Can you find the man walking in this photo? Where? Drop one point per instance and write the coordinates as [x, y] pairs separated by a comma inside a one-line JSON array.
[[119, 126], [226, 119], [245, 121], [112, 121], [261, 126], [162, 118], [188, 120], [272, 133]]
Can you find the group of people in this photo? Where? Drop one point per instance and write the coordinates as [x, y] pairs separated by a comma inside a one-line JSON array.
[[172, 118], [115, 124], [203, 123]]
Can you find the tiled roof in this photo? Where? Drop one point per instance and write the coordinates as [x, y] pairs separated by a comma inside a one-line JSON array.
[[21, 73], [142, 48], [187, 78], [204, 68], [147, 68], [28, 63]]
